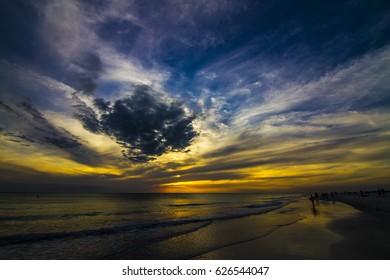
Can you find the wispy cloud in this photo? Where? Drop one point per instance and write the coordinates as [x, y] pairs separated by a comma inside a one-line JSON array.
[[293, 126]]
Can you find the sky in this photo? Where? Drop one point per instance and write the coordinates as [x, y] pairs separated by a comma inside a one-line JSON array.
[[194, 96]]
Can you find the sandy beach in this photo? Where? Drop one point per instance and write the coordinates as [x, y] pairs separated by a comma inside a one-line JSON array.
[[366, 236], [351, 227], [196, 227], [329, 230], [315, 236], [373, 204]]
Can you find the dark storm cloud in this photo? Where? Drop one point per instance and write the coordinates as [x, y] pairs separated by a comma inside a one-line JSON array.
[[143, 125], [101, 104]]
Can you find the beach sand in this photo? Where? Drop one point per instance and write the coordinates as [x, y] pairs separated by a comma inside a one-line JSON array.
[[371, 204], [308, 238], [366, 236], [329, 230]]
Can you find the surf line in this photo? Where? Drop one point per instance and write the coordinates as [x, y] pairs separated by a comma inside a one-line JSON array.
[[156, 240]]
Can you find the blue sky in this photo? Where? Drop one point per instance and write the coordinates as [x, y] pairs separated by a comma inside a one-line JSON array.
[[194, 96]]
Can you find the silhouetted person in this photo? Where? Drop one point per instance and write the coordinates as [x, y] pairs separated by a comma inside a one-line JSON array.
[[379, 192], [312, 199], [383, 192]]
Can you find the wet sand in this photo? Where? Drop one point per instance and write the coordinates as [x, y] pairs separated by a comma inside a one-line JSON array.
[[335, 230], [309, 238], [366, 236], [298, 231]]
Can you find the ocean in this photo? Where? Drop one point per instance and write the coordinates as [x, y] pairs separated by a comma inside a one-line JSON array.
[[125, 226]]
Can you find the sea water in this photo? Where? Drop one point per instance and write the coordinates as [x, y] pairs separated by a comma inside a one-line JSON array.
[[106, 226]]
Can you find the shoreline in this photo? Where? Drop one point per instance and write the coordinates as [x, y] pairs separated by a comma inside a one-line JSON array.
[[309, 238], [349, 228]]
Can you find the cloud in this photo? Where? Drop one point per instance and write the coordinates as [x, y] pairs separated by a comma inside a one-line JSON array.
[[363, 79], [127, 71], [332, 122], [171, 22], [27, 125], [87, 70], [87, 60], [49, 134], [142, 124], [64, 27], [86, 114]]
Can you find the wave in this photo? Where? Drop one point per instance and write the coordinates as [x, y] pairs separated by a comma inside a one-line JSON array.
[[122, 253], [135, 226], [67, 216], [35, 237], [270, 204]]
